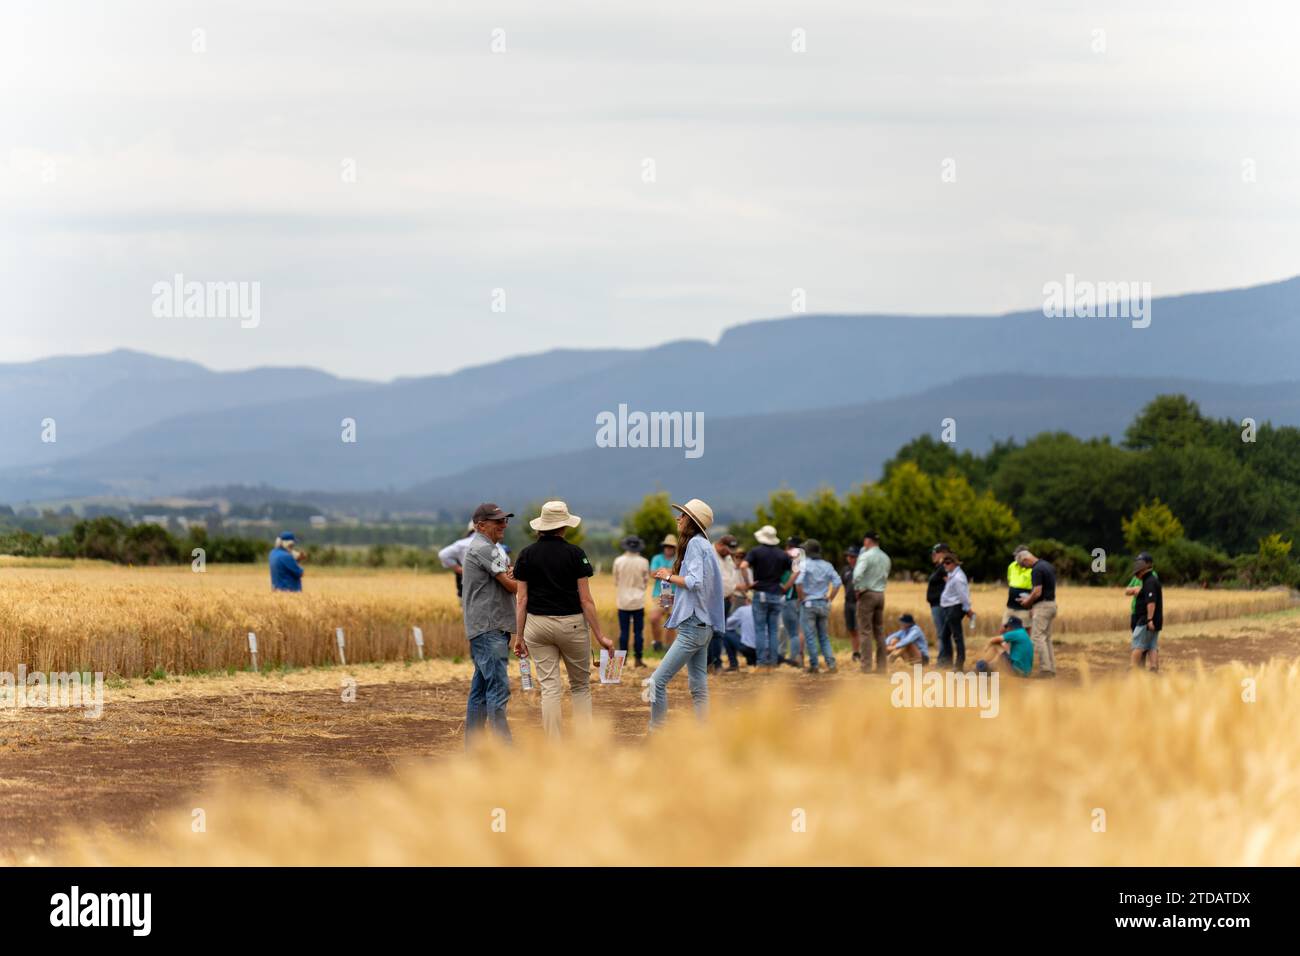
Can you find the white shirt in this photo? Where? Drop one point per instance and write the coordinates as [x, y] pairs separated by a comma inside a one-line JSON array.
[[454, 553], [742, 618]]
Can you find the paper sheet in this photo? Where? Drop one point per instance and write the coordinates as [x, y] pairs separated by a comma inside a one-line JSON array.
[[611, 668]]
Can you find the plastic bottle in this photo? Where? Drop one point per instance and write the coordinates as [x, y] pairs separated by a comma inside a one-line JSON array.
[[525, 674]]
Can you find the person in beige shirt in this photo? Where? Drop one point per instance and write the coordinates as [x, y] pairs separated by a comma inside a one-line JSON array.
[[631, 575]]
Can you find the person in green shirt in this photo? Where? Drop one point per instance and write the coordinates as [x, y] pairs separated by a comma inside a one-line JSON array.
[[1011, 652]]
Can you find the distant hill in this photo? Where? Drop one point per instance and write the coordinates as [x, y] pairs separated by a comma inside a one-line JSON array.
[[139, 426]]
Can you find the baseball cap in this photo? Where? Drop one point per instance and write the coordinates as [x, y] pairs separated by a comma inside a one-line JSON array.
[[490, 511]]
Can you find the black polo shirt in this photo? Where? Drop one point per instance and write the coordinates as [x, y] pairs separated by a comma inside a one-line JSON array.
[[769, 563], [1151, 592], [1043, 575], [551, 567], [934, 587]]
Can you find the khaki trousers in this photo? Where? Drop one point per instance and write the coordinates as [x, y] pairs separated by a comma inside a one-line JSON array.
[[1026, 615], [551, 640], [871, 625], [1041, 634]]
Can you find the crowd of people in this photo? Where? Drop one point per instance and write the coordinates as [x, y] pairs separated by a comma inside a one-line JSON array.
[[768, 604]]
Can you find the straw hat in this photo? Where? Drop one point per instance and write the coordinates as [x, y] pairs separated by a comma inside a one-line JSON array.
[[555, 514], [669, 541], [697, 511], [767, 535]]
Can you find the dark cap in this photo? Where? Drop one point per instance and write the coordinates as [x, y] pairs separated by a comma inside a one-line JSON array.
[[792, 542], [812, 547], [939, 547], [853, 550], [488, 511], [632, 543], [907, 619], [1012, 623], [1144, 557], [730, 541], [873, 535]]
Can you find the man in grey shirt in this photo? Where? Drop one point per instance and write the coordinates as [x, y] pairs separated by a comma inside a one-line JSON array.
[[489, 605]]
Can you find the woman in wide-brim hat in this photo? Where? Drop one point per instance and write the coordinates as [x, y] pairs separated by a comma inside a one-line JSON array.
[[697, 611], [554, 611]]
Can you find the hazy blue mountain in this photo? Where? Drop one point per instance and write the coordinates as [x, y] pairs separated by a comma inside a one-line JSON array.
[[745, 458], [146, 433]]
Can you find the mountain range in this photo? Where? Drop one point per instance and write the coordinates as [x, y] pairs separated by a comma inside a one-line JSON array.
[[803, 401]]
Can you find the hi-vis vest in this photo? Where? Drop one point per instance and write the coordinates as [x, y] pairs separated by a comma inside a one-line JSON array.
[[1020, 578]]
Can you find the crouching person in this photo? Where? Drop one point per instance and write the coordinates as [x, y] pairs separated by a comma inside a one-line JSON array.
[[907, 645], [1011, 652]]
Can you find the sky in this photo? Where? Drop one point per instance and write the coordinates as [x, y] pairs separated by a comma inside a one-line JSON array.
[[415, 187]]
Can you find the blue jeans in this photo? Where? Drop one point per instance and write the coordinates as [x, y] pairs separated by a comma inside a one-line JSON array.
[[790, 619], [767, 617], [816, 621], [690, 650], [637, 621], [489, 691]]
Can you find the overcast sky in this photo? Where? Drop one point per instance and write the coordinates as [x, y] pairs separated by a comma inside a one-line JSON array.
[[126, 157]]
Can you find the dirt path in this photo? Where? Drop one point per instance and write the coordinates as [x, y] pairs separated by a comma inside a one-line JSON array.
[[158, 746]]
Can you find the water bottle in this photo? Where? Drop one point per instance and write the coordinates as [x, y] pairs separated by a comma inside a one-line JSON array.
[[972, 622], [525, 674]]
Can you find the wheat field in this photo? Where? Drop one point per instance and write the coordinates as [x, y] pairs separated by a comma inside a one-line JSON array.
[[1187, 769], [133, 621]]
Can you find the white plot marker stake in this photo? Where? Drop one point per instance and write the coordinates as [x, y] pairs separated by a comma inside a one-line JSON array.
[[419, 641], [338, 635], [252, 648]]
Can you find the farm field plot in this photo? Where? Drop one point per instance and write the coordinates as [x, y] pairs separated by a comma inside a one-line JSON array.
[[129, 622], [76, 789]]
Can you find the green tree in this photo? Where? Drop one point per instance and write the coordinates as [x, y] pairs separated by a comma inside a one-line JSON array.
[[1152, 525], [652, 521]]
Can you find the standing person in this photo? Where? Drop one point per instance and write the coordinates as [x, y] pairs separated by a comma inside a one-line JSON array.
[[816, 585], [697, 611], [850, 601], [1148, 614], [1042, 600], [934, 588], [488, 601], [631, 575], [791, 646], [286, 571], [730, 584], [664, 559], [769, 565], [451, 556], [870, 575], [1019, 583], [553, 610], [955, 603]]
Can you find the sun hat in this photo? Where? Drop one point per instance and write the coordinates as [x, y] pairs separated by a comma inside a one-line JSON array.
[[812, 548], [907, 619], [767, 535], [697, 511], [669, 541], [632, 543], [555, 514]]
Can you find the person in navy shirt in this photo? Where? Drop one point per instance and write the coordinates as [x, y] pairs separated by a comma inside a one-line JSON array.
[[286, 572]]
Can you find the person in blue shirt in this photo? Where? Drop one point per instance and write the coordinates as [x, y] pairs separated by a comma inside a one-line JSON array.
[[908, 644], [286, 572], [697, 612], [816, 584], [1012, 652]]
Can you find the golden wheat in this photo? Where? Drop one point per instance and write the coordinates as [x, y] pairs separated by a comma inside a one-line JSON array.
[[1185, 769], [131, 621]]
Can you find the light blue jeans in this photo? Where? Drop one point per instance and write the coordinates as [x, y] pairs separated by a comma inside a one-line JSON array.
[[767, 619], [790, 647], [816, 619], [690, 650]]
